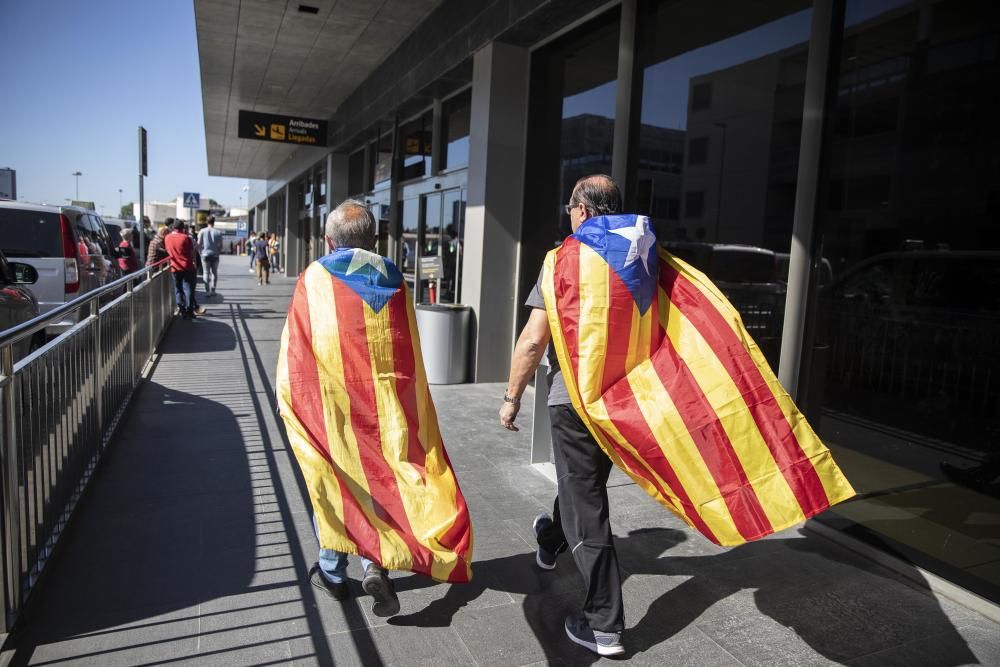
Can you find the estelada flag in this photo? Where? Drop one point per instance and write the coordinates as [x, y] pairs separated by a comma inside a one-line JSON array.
[[352, 391], [666, 378]]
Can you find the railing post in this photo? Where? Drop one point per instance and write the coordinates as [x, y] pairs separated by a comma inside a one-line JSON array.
[[153, 300], [11, 510], [133, 374], [98, 368]]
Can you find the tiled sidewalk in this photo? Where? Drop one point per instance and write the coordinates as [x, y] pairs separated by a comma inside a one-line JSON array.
[[194, 543]]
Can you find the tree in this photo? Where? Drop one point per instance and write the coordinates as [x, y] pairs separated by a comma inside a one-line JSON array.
[[126, 212]]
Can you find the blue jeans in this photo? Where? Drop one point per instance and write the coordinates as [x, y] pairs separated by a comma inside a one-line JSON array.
[[333, 564], [184, 282], [210, 274]]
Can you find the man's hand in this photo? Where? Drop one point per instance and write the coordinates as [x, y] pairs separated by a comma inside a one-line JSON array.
[[508, 413]]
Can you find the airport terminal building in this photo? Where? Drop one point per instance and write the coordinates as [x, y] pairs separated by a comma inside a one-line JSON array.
[[834, 166]]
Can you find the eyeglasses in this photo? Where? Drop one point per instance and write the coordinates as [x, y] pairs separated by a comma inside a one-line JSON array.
[[569, 207]]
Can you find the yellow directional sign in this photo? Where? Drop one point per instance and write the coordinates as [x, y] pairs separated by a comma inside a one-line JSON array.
[[283, 129]]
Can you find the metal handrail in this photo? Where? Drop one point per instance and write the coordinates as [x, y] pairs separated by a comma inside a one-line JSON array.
[[24, 330], [59, 407]]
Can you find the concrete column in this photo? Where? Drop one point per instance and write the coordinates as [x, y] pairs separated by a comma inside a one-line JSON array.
[[495, 203], [295, 243]]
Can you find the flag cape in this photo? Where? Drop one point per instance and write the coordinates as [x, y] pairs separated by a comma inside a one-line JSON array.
[[666, 378], [359, 416]]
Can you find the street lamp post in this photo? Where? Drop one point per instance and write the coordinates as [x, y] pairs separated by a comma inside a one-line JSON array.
[[119, 201], [77, 174], [722, 166]]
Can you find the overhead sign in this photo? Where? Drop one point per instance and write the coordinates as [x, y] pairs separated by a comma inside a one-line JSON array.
[[283, 129], [192, 200]]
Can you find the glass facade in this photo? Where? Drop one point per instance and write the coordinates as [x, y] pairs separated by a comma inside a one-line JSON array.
[[381, 161], [718, 144], [456, 118], [416, 137], [899, 374], [571, 120], [904, 372]]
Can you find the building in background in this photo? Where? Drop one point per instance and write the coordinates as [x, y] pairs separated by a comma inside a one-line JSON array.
[[156, 211], [8, 183], [464, 129]]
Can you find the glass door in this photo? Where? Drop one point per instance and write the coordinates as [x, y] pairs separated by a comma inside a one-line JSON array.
[[429, 265], [452, 241]]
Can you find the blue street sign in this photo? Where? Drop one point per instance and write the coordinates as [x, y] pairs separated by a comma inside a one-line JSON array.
[[192, 200]]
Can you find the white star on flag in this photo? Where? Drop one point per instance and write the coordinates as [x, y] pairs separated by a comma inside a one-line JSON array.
[[362, 258], [640, 240]]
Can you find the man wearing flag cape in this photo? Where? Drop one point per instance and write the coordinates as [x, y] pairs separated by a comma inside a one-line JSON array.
[[652, 370], [353, 394]]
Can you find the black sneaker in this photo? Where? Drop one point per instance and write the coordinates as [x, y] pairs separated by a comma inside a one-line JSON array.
[[377, 584], [336, 591], [543, 558], [601, 643]]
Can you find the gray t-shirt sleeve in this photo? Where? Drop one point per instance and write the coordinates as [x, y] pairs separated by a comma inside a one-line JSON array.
[[535, 299], [557, 387]]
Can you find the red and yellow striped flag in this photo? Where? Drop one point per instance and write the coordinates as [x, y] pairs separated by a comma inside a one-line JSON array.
[[359, 415], [660, 368]]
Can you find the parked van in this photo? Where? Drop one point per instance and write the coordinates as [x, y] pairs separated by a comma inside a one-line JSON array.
[[68, 246]]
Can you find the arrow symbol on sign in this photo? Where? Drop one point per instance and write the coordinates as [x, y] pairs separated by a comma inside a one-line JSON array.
[[259, 130]]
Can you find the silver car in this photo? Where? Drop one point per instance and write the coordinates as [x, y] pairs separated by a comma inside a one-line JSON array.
[[68, 246]]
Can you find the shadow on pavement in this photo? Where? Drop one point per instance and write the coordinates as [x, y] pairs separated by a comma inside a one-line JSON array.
[[167, 523], [801, 584]]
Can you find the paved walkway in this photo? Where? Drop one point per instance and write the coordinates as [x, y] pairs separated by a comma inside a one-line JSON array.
[[193, 545]]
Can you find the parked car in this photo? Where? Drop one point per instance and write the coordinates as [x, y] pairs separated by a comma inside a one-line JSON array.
[[68, 246], [17, 303]]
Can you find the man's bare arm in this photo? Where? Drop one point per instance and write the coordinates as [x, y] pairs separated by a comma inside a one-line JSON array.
[[528, 352]]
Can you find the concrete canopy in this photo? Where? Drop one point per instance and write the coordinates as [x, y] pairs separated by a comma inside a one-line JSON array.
[[276, 57]]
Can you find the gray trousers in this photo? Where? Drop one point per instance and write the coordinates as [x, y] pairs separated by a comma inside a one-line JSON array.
[[580, 518]]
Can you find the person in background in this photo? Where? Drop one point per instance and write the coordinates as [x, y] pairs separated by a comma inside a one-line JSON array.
[[263, 263], [210, 244], [157, 251], [128, 261], [251, 244], [273, 250], [182, 265]]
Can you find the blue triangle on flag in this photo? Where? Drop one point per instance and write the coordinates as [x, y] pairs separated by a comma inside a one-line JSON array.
[[367, 281], [628, 245]]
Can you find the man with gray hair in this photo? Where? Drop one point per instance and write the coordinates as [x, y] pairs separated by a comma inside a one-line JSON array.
[[360, 419]]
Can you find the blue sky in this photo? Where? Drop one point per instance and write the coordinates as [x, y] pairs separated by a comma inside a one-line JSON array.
[[79, 76]]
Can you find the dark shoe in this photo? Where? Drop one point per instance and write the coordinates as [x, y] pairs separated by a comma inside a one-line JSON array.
[[543, 558], [186, 315], [336, 591], [377, 584], [601, 643]]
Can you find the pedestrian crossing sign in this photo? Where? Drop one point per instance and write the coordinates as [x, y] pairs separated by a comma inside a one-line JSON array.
[[192, 200]]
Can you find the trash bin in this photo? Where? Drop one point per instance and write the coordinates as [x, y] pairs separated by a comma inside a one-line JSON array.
[[444, 340]]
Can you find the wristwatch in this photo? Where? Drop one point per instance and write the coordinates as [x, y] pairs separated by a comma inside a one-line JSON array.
[[508, 399]]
